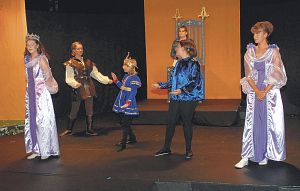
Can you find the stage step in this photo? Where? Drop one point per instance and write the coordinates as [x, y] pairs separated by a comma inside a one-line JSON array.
[[216, 112], [209, 186]]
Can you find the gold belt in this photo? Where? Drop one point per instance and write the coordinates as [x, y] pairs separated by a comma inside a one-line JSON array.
[[126, 88]]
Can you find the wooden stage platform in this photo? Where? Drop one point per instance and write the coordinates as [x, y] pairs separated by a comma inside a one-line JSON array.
[[91, 163]]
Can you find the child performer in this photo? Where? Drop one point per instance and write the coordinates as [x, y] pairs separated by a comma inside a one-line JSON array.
[[125, 104]]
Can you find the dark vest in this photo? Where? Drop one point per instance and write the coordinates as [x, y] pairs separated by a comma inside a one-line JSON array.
[[82, 75]]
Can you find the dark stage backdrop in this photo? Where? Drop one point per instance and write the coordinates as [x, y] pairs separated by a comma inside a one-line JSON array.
[[110, 30], [106, 37], [285, 16]]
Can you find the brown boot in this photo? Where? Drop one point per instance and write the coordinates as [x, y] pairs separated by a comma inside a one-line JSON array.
[[70, 126], [89, 126]]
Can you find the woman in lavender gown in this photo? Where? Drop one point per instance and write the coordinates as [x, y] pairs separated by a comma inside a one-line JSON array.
[[264, 134], [40, 126]]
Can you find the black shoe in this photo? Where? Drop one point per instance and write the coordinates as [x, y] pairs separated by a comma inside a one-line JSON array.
[[66, 132], [127, 142], [91, 132], [131, 141], [119, 143], [162, 152], [188, 154]]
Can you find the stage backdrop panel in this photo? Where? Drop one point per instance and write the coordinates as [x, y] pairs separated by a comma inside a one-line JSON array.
[[222, 44], [12, 80]]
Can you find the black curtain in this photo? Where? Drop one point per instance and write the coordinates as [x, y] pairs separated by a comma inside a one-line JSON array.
[[284, 14], [106, 37]]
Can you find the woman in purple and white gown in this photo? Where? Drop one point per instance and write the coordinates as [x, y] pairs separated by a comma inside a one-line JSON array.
[[40, 126], [264, 133]]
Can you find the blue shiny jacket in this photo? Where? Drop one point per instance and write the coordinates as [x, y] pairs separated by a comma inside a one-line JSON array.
[[186, 77]]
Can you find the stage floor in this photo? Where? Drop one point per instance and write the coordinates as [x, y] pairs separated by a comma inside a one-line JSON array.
[[92, 163]]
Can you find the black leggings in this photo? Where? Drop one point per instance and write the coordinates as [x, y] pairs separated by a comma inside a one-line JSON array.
[[125, 122], [185, 111]]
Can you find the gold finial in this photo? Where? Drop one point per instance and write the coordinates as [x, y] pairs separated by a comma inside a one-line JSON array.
[[177, 15], [203, 14], [127, 57]]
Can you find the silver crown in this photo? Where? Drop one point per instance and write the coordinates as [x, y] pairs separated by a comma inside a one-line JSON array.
[[32, 37]]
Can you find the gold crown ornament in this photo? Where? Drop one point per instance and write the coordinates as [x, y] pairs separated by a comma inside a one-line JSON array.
[[130, 61]]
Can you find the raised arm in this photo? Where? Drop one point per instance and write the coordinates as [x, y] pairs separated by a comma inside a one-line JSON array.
[[116, 80], [164, 85], [100, 77]]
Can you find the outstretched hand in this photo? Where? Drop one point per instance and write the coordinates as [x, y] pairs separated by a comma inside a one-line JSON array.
[[114, 77], [176, 92], [78, 85], [156, 86]]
